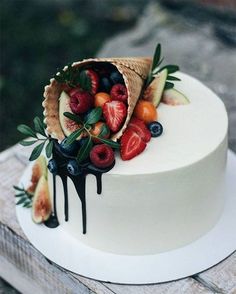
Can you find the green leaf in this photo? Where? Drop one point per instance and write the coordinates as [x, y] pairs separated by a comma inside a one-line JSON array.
[[18, 188], [22, 200], [73, 136], [73, 117], [39, 127], [85, 81], [37, 151], [104, 131], [110, 143], [26, 131], [170, 68], [172, 78], [85, 150], [27, 143], [94, 116], [27, 203], [157, 56], [20, 195], [49, 148], [168, 86]]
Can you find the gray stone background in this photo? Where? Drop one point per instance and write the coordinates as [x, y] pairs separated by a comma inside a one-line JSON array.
[[201, 39]]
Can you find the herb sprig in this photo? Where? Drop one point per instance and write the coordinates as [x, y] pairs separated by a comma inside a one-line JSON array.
[[24, 197], [72, 76], [38, 135], [155, 69], [85, 127]]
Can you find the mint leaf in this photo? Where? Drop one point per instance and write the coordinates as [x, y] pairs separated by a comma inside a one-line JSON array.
[[172, 78], [168, 86], [39, 126], [111, 143], [36, 151], [73, 136], [104, 131], [157, 56], [20, 194], [73, 117], [27, 143], [26, 131], [49, 149], [85, 150], [94, 116], [170, 68], [22, 200], [18, 188]]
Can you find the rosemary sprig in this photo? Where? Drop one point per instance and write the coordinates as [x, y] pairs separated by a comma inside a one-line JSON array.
[[24, 197], [155, 69], [43, 139]]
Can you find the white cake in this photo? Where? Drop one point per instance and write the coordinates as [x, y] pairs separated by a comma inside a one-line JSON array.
[[168, 196]]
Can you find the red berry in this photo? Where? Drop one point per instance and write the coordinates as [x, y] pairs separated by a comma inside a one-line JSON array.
[[119, 92], [94, 80], [140, 128], [80, 101], [102, 156], [131, 144], [114, 113]]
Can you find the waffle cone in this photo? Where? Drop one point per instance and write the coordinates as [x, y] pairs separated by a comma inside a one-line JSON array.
[[134, 72]]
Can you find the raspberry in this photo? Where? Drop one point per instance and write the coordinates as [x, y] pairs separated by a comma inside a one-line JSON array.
[[102, 156], [80, 101], [119, 92]]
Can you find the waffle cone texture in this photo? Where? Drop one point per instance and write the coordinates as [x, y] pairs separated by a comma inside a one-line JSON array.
[[134, 72]]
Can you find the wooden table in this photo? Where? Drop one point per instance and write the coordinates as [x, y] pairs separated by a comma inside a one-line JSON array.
[[29, 271]]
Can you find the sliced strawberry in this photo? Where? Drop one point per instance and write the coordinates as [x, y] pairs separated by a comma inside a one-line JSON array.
[[131, 144], [94, 80], [114, 113], [140, 128]]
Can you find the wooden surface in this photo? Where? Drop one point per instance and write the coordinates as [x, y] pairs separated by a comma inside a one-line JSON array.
[[30, 272]]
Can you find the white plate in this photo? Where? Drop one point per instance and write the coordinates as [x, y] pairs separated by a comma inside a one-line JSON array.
[[63, 249]]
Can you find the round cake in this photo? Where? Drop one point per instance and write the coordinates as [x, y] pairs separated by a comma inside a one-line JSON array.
[[134, 156], [169, 195]]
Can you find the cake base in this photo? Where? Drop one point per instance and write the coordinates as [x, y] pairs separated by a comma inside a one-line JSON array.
[[168, 266]]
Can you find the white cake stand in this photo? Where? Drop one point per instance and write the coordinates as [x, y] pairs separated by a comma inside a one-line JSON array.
[[63, 249]]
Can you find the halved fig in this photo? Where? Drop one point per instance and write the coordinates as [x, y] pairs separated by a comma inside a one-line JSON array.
[[39, 169], [41, 206], [68, 126], [154, 91], [174, 97]]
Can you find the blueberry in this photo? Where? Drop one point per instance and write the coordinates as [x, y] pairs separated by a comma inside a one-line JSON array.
[[155, 128], [52, 166], [116, 77], [73, 167], [105, 85], [71, 149]]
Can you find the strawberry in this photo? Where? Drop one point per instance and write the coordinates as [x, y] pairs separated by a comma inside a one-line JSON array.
[[131, 144], [114, 113], [94, 80], [140, 128]]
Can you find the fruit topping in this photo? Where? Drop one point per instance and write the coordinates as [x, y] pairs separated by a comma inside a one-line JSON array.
[[114, 113], [131, 144], [145, 111], [116, 77], [41, 206], [140, 128], [155, 128], [154, 91], [174, 97], [105, 84], [119, 93], [81, 101], [102, 156], [69, 149], [101, 98], [68, 126], [52, 166], [100, 129], [39, 169], [73, 167], [94, 78]]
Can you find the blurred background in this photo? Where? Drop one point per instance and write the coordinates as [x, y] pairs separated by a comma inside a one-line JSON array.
[[37, 37]]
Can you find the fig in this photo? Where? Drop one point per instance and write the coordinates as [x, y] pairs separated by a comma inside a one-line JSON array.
[[41, 206], [39, 168], [154, 91], [174, 97], [68, 126]]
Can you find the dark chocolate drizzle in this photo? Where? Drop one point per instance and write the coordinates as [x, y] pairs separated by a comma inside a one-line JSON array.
[[79, 182]]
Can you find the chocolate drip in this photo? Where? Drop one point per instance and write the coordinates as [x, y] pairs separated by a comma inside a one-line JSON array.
[[79, 182]]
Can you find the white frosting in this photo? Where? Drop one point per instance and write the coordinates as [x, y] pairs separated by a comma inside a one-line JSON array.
[[168, 196]]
